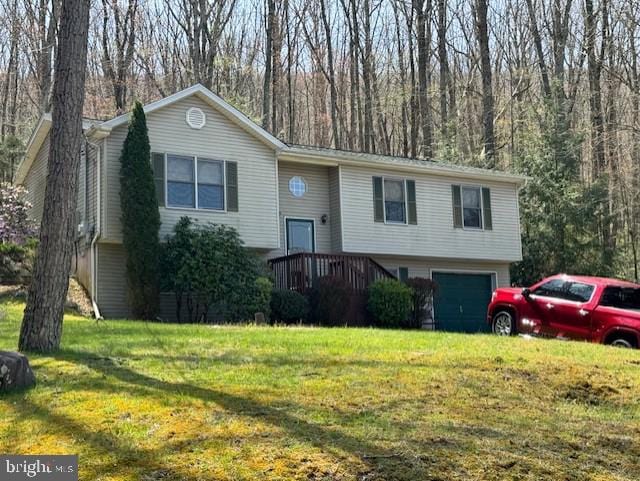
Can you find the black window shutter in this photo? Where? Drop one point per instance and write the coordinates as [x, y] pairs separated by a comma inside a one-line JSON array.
[[486, 208], [157, 164], [378, 200], [412, 214], [403, 274], [232, 186], [457, 206]]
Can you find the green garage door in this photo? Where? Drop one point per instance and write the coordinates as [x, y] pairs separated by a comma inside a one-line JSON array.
[[461, 301]]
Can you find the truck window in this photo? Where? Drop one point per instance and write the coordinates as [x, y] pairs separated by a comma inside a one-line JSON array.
[[553, 288], [579, 292], [621, 297]]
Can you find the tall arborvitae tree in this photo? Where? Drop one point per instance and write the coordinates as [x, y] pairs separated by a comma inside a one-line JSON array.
[[140, 218]]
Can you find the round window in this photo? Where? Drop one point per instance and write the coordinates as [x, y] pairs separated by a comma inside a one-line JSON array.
[[297, 186]]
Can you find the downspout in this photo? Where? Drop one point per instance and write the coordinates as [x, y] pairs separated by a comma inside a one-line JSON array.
[[96, 235]]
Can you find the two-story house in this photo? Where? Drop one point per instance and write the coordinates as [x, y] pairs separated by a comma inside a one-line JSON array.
[[455, 224]]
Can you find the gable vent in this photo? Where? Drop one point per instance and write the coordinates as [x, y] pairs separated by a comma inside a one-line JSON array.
[[196, 118]]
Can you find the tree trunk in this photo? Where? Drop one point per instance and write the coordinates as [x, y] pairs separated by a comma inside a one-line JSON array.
[[117, 64], [413, 100], [383, 134], [487, 92], [291, 105], [47, 25], [594, 68], [404, 117], [537, 42], [42, 323], [331, 76], [424, 39], [367, 65], [633, 206], [276, 47], [10, 88], [266, 92], [444, 68]]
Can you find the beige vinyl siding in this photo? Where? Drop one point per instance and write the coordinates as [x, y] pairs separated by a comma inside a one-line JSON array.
[[88, 214], [82, 268], [86, 206], [82, 261], [82, 185], [36, 180], [334, 209], [434, 235], [112, 287], [313, 205], [256, 220], [92, 187], [112, 281], [423, 267]]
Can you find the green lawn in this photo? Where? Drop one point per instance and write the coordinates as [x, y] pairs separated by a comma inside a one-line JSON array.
[[142, 401]]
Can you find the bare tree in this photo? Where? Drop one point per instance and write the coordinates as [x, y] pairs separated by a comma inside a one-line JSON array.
[[404, 107], [118, 46], [356, 132], [366, 58], [594, 68], [444, 80], [267, 98], [10, 86], [203, 23], [331, 75], [42, 20], [423, 12], [482, 32]]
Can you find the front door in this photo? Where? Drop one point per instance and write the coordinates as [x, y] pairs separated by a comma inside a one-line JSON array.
[[300, 236]]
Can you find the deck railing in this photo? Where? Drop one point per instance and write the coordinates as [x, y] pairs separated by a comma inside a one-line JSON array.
[[301, 271]]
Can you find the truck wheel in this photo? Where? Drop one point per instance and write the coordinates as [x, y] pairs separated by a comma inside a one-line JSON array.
[[504, 324], [621, 340]]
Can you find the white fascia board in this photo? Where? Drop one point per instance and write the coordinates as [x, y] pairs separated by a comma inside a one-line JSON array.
[[33, 146], [91, 129]]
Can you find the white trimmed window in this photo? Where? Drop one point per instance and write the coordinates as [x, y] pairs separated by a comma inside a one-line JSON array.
[[195, 183], [210, 184], [181, 181], [472, 207], [394, 201]]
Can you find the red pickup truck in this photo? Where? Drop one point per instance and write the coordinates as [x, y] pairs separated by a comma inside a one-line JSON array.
[[594, 309]]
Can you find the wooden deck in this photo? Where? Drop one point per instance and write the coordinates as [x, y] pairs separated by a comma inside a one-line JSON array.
[[300, 272]]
